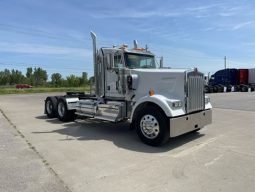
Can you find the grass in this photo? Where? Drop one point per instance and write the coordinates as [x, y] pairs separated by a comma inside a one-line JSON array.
[[13, 90]]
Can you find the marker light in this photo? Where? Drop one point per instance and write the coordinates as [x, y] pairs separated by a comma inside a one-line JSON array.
[[151, 92]]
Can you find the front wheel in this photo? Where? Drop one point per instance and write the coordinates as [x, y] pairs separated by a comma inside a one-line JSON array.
[[63, 113], [152, 126]]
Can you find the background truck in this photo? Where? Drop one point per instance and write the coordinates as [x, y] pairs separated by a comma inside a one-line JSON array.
[[159, 103], [231, 80]]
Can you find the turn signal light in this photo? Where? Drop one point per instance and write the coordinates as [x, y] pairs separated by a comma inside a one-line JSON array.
[[151, 92]]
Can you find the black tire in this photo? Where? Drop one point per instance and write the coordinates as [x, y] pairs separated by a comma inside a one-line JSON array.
[[215, 89], [160, 132], [51, 107], [206, 89], [236, 88], [229, 87], [211, 89], [63, 113], [220, 88], [244, 89]]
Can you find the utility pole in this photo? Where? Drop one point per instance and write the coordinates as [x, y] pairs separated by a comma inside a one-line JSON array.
[[225, 62]]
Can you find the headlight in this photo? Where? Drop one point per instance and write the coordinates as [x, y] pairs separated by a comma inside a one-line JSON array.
[[207, 100], [176, 104]]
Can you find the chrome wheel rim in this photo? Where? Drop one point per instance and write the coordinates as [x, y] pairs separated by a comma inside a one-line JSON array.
[[149, 126], [61, 109], [49, 107]]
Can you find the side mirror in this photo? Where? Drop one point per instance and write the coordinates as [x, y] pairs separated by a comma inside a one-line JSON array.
[[109, 61]]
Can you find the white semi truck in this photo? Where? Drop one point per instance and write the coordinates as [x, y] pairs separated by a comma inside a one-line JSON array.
[[129, 86]]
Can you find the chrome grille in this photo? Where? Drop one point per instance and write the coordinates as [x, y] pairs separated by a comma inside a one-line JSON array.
[[195, 92]]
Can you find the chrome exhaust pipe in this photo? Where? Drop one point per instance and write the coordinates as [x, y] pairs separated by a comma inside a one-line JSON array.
[[94, 41]]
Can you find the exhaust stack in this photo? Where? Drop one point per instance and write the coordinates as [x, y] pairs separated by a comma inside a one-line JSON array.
[[135, 44], [161, 62], [94, 41]]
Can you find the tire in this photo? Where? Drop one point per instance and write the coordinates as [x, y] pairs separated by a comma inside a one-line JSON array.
[[220, 88], [51, 107], [244, 89], [63, 113], [156, 135], [229, 88], [206, 89], [215, 89], [236, 88]]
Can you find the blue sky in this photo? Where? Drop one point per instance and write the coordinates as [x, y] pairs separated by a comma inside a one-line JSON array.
[[54, 34]]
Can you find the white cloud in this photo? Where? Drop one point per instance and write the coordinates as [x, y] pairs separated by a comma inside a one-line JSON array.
[[204, 8], [242, 25], [208, 29], [229, 11], [136, 14], [44, 49], [196, 11]]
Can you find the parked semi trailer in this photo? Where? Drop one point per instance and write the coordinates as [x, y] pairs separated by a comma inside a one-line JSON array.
[[159, 103], [251, 77], [227, 80]]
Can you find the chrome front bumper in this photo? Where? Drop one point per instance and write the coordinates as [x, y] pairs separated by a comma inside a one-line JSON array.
[[188, 123]]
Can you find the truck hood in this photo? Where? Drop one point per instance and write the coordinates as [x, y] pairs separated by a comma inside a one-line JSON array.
[[167, 82]]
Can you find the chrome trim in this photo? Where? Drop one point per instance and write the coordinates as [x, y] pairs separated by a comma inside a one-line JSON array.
[[188, 123], [195, 97], [149, 126], [96, 67]]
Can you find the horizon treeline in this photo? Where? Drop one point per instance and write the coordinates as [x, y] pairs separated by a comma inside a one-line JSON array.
[[39, 77]]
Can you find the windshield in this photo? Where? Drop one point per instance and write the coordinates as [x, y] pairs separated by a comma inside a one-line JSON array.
[[136, 61]]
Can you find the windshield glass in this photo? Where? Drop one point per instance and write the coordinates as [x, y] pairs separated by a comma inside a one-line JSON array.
[[136, 61]]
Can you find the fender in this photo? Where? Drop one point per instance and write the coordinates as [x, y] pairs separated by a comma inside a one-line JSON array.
[[71, 102], [162, 102]]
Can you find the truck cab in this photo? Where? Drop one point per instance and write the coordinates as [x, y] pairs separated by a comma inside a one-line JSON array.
[[129, 86]]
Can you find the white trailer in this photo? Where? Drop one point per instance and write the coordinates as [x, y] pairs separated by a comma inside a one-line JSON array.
[[159, 103], [251, 76]]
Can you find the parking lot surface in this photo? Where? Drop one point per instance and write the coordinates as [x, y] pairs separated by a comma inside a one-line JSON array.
[[96, 156]]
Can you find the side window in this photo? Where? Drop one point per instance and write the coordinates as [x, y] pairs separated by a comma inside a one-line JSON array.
[[108, 60], [118, 62]]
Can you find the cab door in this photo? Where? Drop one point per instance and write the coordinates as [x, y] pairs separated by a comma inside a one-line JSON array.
[[114, 78]]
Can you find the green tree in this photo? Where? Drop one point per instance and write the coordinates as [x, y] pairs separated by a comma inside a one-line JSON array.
[[91, 80], [84, 79], [40, 76], [56, 79], [73, 81], [29, 72], [5, 77], [16, 77], [30, 76], [2, 80]]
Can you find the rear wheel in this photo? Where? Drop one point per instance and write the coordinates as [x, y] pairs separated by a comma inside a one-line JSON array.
[[51, 107], [63, 113], [152, 126], [215, 89], [206, 89], [236, 88], [244, 88]]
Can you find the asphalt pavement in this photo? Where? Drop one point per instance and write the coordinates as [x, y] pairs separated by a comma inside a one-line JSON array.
[[88, 155]]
